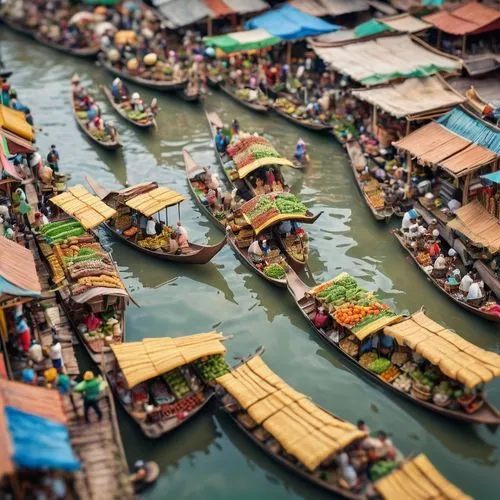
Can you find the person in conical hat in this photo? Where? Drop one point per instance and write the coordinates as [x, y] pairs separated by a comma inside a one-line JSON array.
[[75, 78]]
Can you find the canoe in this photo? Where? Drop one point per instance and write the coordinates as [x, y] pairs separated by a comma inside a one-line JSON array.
[[146, 124], [195, 254], [22, 30], [310, 125], [487, 415], [89, 52], [150, 84], [194, 98], [192, 169], [152, 474], [259, 108], [105, 144], [474, 310], [242, 255], [354, 152]]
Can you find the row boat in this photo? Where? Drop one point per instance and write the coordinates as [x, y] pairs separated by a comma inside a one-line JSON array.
[[487, 414], [150, 84], [187, 97], [109, 144], [308, 124], [254, 106], [147, 123], [195, 254], [464, 305], [87, 52]]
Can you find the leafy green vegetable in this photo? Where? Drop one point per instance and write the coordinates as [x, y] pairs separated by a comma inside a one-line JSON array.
[[275, 271], [380, 365]]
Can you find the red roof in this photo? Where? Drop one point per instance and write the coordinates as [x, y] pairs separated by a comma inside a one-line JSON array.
[[218, 7], [471, 18]]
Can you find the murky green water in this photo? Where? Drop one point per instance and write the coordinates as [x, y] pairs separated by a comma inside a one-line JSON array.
[[207, 457]]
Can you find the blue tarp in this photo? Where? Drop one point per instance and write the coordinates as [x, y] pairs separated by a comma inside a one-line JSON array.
[[493, 177], [471, 128], [8, 288], [290, 24], [39, 443]]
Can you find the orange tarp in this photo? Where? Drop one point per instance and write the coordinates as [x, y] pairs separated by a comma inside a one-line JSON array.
[[15, 122], [470, 18], [17, 266], [219, 7]]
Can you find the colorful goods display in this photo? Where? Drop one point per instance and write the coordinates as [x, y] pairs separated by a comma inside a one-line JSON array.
[[275, 271], [212, 367], [249, 149]]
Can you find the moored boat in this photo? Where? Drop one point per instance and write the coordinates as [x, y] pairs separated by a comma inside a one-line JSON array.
[[85, 52], [189, 95], [146, 120], [305, 123], [141, 202], [315, 444], [18, 28], [261, 105], [453, 367], [367, 185], [456, 296], [163, 382]]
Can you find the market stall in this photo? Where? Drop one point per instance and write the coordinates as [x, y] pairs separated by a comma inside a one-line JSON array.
[[162, 382]]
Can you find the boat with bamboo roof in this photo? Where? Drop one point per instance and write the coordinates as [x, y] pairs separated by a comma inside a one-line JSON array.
[[143, 201], [368, 186], [260, 104], [124, 109], [164, 382], [450, 379], [313, 443], [161, 85], [93, 294], [99, 137], [441, 283]]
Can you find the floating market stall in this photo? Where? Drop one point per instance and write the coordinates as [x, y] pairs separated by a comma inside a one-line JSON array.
[[242, 41], [305, 438], [253, 99], [298, 115], [134, 206], [448, 380], [162, 382], [35, 442]]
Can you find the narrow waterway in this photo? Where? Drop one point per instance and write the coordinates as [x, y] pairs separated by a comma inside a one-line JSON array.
[[208, 457]]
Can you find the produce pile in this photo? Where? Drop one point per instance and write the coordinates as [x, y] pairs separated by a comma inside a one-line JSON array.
[[251, 148], [57, 232], [424, 259], [154, 242], [212, 367], [177, 383], [290, 108], [138, 116], [186, 405], [260, 209], [251, 95], [275, 271], [374, 194]]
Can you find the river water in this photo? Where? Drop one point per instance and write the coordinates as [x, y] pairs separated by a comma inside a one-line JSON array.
[[208, 457]]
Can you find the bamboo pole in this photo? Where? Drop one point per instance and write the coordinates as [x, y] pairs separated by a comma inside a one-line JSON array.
[[289, 53], [438, 43], [464, 45], [209, 26], [465, 193]]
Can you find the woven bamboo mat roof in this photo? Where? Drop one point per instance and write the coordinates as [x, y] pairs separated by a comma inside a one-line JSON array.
[[150, 358], [302, 428], [86, 208], [418, 479], [456, 357], [155, 200]]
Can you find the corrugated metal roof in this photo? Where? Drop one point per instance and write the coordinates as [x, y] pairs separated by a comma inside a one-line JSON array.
[[341, 7], [183, 12], [245, 6]]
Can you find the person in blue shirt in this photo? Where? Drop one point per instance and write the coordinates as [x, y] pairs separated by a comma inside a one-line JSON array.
[[220, 141], [300, 150], [53, 158]]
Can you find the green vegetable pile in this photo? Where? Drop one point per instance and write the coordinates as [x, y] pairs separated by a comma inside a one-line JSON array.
[[137, 115], [59, 231], [381, 468], [211, 368], [285, 203], [370, 318], [275, 271], [177, 383], [380, 365], [346, 290], [84, 255]]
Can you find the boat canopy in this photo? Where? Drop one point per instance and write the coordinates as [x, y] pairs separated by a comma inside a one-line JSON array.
[[456, 357], [5, 166], [152, 357], [241, 41], [273, 208], [86, 208], [418, 479], [478, 225], [329, 7], [15, 122], [302, 428], [18, 275], [33, 429], [153, 201]]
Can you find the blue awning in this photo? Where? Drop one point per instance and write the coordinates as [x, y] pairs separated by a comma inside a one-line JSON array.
[[290, 24], [6, 287], [493, 177], [39, 443]]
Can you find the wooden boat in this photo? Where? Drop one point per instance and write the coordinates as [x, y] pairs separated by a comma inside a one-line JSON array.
[[464, 305], [147, 123], [87, 52], [152, 474], [150, 84], [21, 30], [356, 156], [308, 124], [487, 415], [257, 107], [195, 254], [111, 144], [242, 255], [185, 96], [192, 170]]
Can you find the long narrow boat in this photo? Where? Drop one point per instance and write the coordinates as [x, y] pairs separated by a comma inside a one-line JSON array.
[[487, 414], [254, 106], [464, 305], [22, 30], [194, 254], [355, 158], [150, 84], [161, 396], [87, 52], [308, 124], [186, 96], [308, 440], [108, 144], [148, 122]]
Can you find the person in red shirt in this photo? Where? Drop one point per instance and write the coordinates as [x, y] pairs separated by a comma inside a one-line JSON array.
[[321, 319]]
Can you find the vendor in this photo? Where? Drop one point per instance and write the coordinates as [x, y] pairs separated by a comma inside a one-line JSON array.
[[321, 318], [255, 252], [409, 218], [434, 249], [151, 227], [476, 292], [465, 283], [182, 236]]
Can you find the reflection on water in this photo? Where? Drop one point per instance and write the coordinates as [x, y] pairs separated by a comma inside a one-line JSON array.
[[211, 458]]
